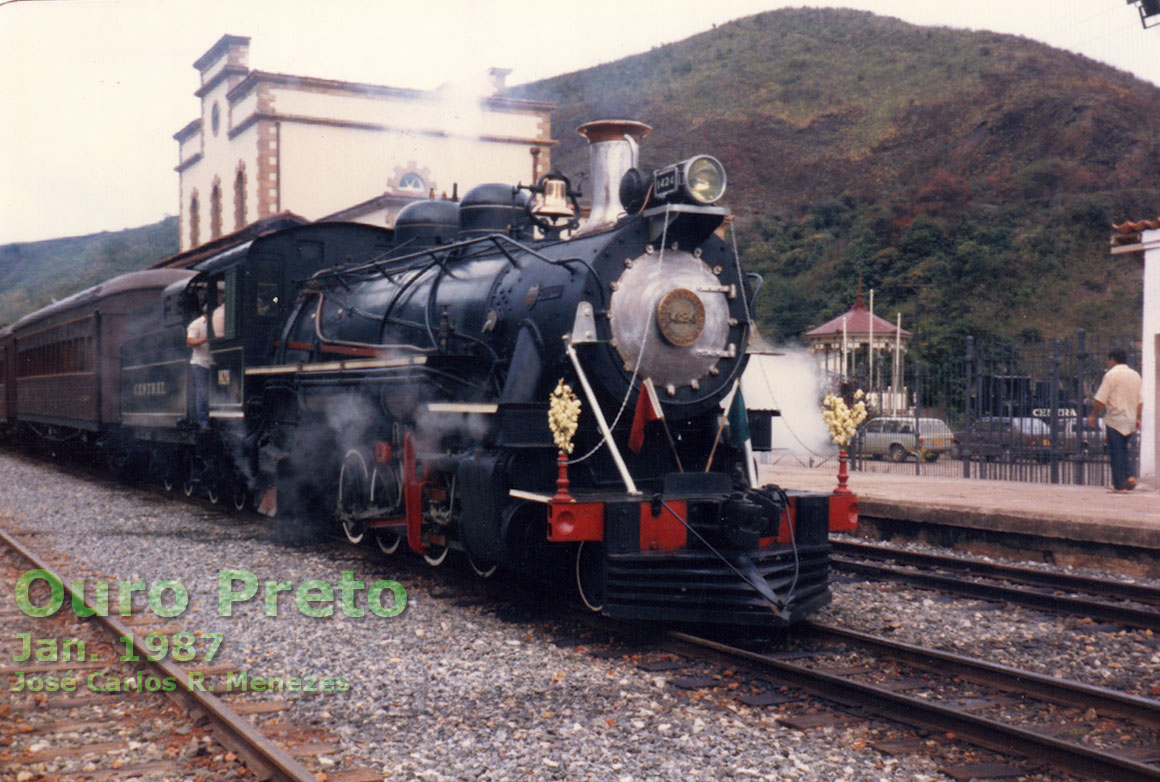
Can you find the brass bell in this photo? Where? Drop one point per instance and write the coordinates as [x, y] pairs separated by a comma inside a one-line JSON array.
[[553, 202]]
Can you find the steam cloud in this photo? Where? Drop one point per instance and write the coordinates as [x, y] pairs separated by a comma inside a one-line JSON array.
[[790, 381]]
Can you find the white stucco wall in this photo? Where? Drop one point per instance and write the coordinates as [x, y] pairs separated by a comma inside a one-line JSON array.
[[214, 69], [1150, 361], [326, 169], [189, 147], [438, 111], [243, 108]]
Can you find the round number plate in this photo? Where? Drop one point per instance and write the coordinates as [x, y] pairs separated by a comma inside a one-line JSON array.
[[681, 317]]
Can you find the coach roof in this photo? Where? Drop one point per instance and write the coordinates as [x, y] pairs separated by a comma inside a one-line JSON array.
[[150, 278]]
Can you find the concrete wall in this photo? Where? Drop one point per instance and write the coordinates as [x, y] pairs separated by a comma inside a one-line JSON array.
[[1150, 352]]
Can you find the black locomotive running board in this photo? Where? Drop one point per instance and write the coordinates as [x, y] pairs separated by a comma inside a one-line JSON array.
[[1134, 617], [1074, 758]]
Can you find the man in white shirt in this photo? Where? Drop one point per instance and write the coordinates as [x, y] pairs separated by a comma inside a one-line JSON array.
[[200, 361], [1119, 399], [197, 338]]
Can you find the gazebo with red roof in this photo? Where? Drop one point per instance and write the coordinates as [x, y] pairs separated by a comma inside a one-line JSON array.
[[840, 341]]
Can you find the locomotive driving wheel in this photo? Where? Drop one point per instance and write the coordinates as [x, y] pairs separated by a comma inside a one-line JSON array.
[[169, 470], [240, 496], [436, 554], [353, 490], [188, 479], [388, 541], [439, 522], [213, 490], [484, 571], [385, 493]]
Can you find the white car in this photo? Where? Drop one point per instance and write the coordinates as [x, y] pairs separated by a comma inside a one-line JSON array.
[[895, 436]]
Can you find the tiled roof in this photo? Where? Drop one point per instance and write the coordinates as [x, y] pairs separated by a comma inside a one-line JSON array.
[[857, 321]]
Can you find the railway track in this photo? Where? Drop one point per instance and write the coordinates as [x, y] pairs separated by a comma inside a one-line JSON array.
[[1133, 605], [76, 717], [943, 694], [884, 687]]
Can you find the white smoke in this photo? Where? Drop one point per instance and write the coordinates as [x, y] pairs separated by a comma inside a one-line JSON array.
[[790, 380], [461, 113]]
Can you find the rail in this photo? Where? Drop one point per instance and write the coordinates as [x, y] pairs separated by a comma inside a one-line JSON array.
[[265, 759]]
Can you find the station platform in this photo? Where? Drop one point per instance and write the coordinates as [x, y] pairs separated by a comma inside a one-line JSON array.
[[1039, 516]]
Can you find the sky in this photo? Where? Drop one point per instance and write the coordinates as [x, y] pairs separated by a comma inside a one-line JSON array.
[[92, 91]]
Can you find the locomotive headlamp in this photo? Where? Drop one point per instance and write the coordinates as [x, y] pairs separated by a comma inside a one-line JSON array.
[[704, 179], [700, 179]]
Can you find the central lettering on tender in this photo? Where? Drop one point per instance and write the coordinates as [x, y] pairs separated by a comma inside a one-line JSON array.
[[154, 388]]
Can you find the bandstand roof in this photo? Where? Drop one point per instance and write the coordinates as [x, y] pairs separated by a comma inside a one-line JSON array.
[[857, 320]]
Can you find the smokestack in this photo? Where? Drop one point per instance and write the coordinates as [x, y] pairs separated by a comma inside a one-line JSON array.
[[612, 151]]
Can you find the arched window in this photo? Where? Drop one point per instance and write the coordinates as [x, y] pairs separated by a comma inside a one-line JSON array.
[[215, 210], [240, 198], [194, 219], [412, 182]]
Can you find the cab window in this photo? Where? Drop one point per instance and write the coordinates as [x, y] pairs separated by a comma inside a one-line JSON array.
[[266, 278], [224, 289]]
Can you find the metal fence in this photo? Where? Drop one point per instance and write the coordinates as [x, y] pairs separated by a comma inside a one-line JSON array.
[[1001, 411]]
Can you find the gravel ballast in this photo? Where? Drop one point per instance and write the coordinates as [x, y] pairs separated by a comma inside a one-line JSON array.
[[453, 689]]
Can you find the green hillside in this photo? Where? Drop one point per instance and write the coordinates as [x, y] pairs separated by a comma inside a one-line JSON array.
[[983, 170], [33, 274]]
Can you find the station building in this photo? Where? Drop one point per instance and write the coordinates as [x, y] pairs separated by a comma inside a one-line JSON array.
[[269, 143]]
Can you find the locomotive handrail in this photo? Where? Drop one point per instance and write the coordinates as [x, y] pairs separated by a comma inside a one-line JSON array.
[[741, 275], [447, 249], [594, 403]]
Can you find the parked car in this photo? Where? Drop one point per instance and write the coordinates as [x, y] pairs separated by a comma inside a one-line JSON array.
[[1005, 438], [1075, 439], [894, 436]]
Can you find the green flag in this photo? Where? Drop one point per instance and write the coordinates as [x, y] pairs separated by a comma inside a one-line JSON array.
[[738, 421]]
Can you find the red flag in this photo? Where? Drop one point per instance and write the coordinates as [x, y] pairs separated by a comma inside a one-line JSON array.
[[648, 408]]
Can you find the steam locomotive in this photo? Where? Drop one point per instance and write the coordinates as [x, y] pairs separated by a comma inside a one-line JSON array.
[[395, 385]]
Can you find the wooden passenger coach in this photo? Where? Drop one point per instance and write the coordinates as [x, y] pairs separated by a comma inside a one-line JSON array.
[[62, 362]]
